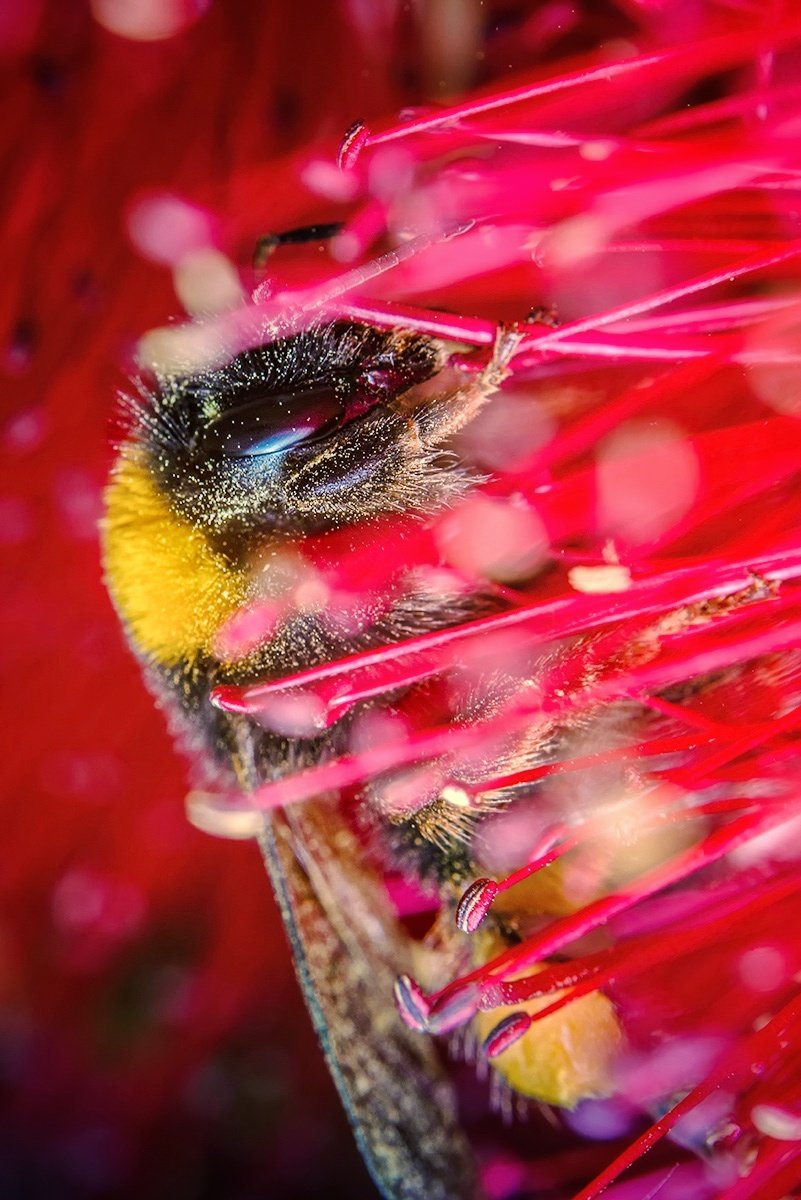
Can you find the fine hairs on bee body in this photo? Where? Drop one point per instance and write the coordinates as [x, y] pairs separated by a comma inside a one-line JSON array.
[[221, 474], [225, 470]]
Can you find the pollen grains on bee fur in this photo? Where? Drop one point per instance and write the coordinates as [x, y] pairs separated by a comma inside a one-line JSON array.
[[273, 442], [227, 445]]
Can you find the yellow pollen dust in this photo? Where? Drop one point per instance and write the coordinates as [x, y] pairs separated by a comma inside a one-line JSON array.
[[172, 590]]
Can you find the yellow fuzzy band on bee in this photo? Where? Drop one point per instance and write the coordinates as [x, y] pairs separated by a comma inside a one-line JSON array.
[[171, 588]]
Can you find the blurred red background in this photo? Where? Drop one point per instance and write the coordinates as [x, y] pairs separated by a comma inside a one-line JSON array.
[[152, 1038]]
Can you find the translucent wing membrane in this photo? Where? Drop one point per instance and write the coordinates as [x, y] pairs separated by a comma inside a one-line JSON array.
[[347, 947]]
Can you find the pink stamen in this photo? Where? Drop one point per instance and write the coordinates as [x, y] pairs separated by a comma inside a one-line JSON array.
[[555, 619], [411, 1003], [506, 1033], [475, 904], [712, 848], [352, 145], [703, 57]]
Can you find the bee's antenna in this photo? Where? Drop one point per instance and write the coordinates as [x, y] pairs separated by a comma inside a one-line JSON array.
[[268, 243]]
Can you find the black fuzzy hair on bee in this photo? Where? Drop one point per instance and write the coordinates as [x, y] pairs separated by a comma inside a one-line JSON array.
[[352, 358], [299, 434]]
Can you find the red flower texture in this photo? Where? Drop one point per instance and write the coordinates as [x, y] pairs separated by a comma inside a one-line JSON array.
[[605, 230]]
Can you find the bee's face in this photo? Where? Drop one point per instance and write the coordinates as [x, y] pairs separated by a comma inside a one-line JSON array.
[[309, 433], [299, 434]]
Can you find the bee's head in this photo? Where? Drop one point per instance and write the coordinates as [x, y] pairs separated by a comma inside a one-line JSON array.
[[297, 435], [302, 434]]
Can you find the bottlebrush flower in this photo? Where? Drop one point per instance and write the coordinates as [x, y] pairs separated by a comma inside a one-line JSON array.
[[615, 736], [644, 546]]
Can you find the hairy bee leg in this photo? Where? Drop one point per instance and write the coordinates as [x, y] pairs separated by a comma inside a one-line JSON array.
[[447, 416], [397, 464]]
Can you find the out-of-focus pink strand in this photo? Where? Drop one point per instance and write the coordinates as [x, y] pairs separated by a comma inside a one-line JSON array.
[[726, 315], [735, 1067], [543, 343], [543, 139], [779, 185], [697, 720], [712, 113], [705, 55], [561, 617], [670, 244]]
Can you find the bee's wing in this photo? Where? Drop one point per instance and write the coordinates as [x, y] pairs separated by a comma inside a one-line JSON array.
[[348, 950]]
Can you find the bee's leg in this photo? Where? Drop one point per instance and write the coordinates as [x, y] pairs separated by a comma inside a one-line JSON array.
[[445, 416], [396, 464], [269, 242]]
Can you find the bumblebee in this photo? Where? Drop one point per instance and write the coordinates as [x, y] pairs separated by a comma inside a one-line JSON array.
[[221, 475]]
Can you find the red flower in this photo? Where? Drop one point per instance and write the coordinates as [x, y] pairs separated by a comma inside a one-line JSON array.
[[637, 527]]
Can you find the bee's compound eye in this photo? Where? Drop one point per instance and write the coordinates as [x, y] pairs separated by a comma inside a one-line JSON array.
[[270, 424]]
